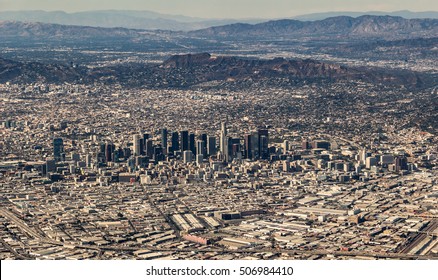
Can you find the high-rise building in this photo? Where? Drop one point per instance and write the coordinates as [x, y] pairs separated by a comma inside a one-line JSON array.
[[158, 154], [184, 140], [200, 147], [143, 141], [233, 148], [264, 150], [204, 137], [370, 161], [224, 141], [192, 143], [164, 139], [175, 141], [211, 145], [255, 139], [263, 143], [401, 163], [136, 148], [127, 152], [150, 148], [88, 160], [248, 146], [285, 146], [109, 152], [58, 148]]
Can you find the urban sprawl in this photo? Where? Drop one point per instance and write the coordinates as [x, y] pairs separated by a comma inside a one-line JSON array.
[[99, 172]]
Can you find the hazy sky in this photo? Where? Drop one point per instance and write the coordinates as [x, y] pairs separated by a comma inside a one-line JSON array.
[[224, 8]]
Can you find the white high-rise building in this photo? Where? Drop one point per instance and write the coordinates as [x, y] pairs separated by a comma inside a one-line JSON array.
[[224, 141]]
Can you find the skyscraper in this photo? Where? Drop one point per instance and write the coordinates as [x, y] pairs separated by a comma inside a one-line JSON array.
[[263, 143], [150, 148], [175, 141], [255, 145], [224, 141], [164, 139], [211, 145], [200, 147], [109, 152], [248, 146], [58, 148], [192, 143], [233, 148], [184, 140], [136, 145], [143, 141]]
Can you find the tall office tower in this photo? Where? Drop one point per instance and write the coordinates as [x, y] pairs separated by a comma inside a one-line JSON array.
[[184, 140], [143, 141], [248, 146], [370, 161], [211, 145], [192, 143], [224, 141], [285, 146], [88, 160], [401, 163], [200, 147], [255, 145], [263, 143], [175, 141], [233, 148], [136, 145], [235, 151], [264, 150], [150, 148], [58, 148], [363, 156], [164, 140], [109, 152], [204, 137], [158, 154], [187, 156], [127, 153]]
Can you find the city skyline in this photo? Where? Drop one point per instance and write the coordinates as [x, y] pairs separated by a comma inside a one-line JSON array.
[[225, 8]]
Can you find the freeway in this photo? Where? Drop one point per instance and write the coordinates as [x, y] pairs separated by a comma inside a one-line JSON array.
[[420, 237], [22, 225]]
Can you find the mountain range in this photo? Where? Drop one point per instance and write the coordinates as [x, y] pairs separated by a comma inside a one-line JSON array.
[[387, 27], [114, 18], [404, 14], [363, 26], [153, 20]]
